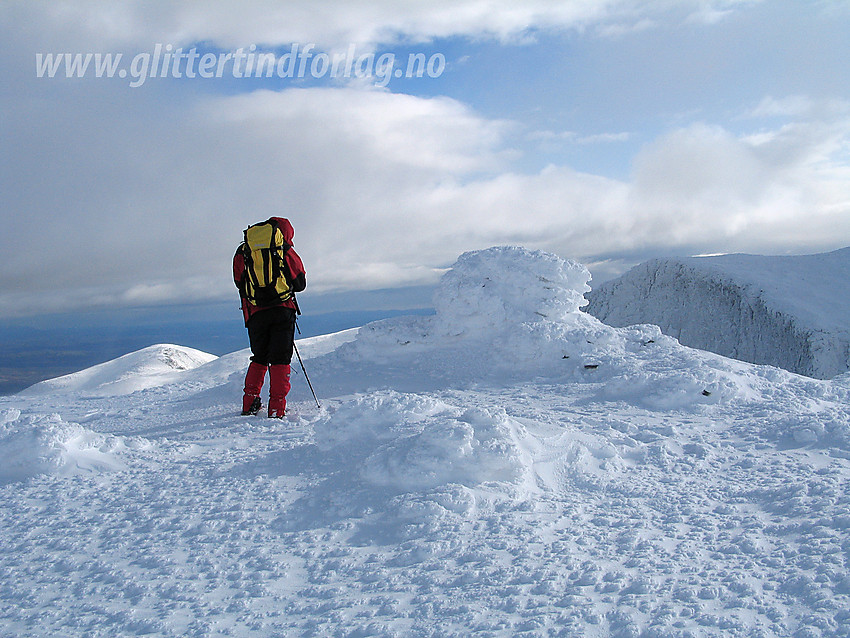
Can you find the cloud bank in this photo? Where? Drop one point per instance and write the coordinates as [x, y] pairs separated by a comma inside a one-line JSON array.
[[336, 23], [145, 193]]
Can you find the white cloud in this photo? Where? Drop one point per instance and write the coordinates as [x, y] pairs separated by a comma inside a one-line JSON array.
[[127, 199], [789, 106], [701, 185], [383, 189], [604, 138], [550, 137], [335, 23], [405, 192], [622, 29], [436, 134]]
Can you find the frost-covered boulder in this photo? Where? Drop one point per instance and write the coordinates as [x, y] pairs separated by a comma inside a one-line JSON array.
[[507, 285], [501, 313], [790, 312]]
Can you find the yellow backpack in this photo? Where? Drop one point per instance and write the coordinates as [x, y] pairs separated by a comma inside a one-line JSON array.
[[265, 281]]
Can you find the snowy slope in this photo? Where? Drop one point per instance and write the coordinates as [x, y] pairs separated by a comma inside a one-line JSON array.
[[791, 312], [509, 466], [152, 366]]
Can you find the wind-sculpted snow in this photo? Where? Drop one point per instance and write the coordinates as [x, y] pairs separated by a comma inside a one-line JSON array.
[[791, 312], [510, 466], [501, 314], [31, 445], [413, 443], [494, 290]]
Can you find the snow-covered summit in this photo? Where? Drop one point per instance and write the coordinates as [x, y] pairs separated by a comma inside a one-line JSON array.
[[789, 311], [146, 368], [507, 466]]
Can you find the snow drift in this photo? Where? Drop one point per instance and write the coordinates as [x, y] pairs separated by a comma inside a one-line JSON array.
[[508, 466], [32, 445], [790, 312]]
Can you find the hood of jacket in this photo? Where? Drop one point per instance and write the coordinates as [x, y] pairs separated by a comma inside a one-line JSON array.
[[285, 228]]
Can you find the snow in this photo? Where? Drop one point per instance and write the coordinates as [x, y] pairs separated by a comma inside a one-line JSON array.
[[789, 311], [508, 466], [150, 367], [33, 445]]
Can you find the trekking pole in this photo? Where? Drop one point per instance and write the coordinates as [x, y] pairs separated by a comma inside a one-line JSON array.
[[304, 370]]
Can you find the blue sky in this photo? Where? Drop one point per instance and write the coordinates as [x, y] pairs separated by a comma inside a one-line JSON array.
[[607, 132]]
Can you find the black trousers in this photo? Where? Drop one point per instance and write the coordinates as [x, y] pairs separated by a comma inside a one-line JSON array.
[[271, 332]]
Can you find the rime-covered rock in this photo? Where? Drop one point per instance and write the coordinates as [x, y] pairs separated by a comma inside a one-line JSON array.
[[792, 312]]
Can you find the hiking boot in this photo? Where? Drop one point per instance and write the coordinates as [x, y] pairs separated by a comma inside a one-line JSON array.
[[254, 408]]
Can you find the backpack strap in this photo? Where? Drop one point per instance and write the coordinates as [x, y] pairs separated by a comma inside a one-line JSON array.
[[277, 253], [249, 274]]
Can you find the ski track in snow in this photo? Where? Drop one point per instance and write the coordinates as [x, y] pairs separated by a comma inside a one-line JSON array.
[[450, 485]]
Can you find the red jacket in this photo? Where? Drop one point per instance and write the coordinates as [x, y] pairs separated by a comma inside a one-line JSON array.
[[296, 269]]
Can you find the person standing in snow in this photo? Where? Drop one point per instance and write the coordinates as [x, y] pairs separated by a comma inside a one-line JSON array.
[[268, 273]]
